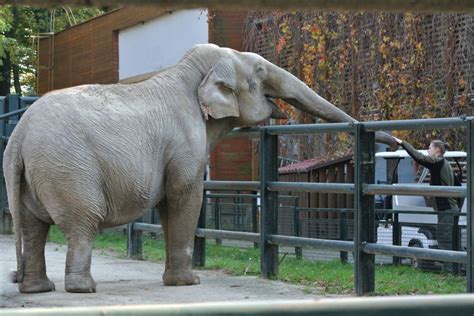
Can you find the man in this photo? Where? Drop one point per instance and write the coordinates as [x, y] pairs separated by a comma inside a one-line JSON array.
[[441, 174]]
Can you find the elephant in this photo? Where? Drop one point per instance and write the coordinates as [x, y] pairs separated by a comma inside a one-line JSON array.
[[95, 156]]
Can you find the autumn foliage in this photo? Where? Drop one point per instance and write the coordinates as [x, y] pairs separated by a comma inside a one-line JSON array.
[[375, 66]]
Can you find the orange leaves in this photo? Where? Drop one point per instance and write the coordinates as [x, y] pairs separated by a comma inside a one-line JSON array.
[[281, 43]]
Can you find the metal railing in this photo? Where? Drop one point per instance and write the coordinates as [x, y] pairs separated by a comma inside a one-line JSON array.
[[364, 189], [11, 108]]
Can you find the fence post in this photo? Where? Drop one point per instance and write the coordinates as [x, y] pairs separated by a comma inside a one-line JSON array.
[[269, 203], [4, 222], [343, 234], [199, 254], [470, 206], [396, 236], [134, 241], [296, 228], [217, 218], [255, 216], [364, 274], [13, 104]]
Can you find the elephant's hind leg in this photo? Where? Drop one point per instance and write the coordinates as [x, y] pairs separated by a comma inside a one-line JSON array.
[[34, 233], [80, 238]]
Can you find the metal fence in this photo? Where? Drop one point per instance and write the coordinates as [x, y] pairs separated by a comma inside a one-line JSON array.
[[364, 246], [11, 108]]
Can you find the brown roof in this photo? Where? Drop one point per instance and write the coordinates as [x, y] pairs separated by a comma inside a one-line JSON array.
[[315, 163]]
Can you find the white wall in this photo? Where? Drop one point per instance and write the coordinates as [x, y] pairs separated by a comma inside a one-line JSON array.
[[161, 42]]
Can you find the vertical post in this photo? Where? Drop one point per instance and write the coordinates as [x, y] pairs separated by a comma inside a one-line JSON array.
[[364, 274], [470, 205], [217, 218], [255, 216], [343, 233], [3, 212], [296, 228], [396, 236], [199, 254], [269, 202], [455, 244], [134, 242], [13, 104]]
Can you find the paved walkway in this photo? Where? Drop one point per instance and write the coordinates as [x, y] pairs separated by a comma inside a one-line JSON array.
[[123, 282]]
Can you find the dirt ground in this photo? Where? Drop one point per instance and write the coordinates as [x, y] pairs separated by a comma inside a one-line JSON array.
[[123, 282]]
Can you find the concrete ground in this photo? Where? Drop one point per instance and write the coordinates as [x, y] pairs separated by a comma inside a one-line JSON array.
[[123, 282]]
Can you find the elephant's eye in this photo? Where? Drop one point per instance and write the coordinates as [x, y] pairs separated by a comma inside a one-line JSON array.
[[225, 86], [260, 70]]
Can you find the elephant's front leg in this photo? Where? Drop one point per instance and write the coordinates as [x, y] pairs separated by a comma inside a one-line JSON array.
[[182, 215]]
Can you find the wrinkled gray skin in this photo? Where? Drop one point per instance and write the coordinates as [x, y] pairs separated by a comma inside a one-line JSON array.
[[97, 156]]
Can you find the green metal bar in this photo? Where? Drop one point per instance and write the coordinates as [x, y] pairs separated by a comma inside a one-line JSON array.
[[135, 241], [345, 188], [309, 128], [396, 236], [232, 185], [414, 252], [227, 234], [329, 244], [255, 219], [199, 254], [269, 204], [423, 305], [364, 267], [343, 235], [217, 218], [416, 189], [470, 205], [443, 123]]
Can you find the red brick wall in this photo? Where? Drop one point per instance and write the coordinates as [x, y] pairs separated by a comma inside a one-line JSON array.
[[232, 158]]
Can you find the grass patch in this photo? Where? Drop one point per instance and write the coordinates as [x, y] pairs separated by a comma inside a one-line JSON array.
[[319, 277]]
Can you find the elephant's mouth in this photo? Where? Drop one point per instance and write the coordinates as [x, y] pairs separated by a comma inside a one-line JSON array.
[[277, 113]]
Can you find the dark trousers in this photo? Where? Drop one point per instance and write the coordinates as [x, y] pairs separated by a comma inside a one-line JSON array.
[[445, 229]]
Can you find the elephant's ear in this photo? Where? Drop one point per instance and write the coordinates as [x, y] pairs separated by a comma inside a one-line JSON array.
[[216, 92]]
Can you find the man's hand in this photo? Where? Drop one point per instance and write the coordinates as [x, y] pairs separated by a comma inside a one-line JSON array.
[[399, 141]]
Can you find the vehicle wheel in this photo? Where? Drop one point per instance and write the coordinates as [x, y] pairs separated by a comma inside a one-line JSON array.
[[414, 262], [419, 263]]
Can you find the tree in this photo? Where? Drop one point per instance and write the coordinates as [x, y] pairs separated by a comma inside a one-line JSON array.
[[18, 56]]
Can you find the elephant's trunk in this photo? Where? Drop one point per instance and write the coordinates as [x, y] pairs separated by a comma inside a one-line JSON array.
[[284, 85]]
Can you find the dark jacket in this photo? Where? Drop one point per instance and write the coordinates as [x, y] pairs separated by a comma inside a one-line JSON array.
[[441, 174]]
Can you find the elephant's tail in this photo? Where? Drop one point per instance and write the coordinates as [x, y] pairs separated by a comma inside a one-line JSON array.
[[13, 170]]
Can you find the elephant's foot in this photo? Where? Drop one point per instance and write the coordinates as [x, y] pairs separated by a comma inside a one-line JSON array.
[[30, 285], [76, 283], [178, 278]]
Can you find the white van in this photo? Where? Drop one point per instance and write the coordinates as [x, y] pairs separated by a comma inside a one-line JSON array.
[[420, 230]]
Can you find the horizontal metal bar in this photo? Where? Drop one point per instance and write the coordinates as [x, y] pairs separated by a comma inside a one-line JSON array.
[[2, 116], [416, 189], [347, 188], [418, 212], [452, 122], [324, 209], [339, 245], [147, 227], [227, 234], [253, 132], [230, 195], [418, 305], [309, 128], [232, 185], [414, 252]]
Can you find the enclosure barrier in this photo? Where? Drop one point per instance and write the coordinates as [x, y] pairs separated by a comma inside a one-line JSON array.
[[364, 189], [462, 304], [11, 108]]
